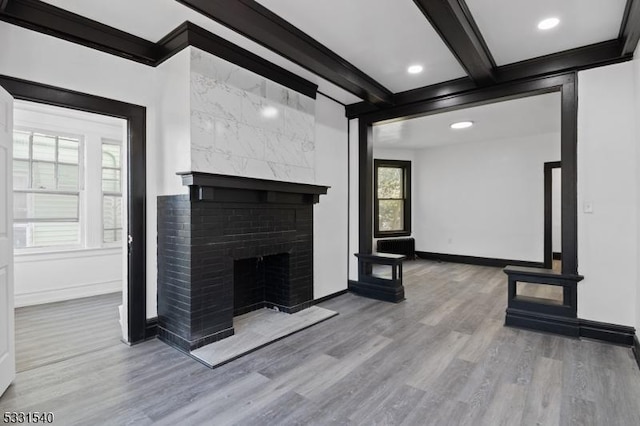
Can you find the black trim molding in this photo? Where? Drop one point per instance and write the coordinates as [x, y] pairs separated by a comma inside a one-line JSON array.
[[259, 24], [136, 160], [151, 329], [575, 327], [189, 34], [630, 28], [475, 260], [330, 296], [612, 333], [636, 350], [47, 19], [580, 58], [405, 166], [548, 212], [457, 28], [564, 83]]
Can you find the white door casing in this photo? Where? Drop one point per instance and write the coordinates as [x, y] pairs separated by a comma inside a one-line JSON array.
[[7, 342]]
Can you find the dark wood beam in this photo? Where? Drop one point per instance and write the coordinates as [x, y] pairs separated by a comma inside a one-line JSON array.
[[630, 28], [455, 25], [189, 34], [44, 18], [257, 23], [581, 58]]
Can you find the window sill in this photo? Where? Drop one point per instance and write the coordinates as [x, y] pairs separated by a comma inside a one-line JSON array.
[[67, 253], [392, 234]]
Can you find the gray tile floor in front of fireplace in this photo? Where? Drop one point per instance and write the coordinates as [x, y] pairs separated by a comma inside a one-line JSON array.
[[257, 329]]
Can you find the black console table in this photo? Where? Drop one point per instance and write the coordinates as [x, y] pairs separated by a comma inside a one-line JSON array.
[[375, 286], [541, 314]]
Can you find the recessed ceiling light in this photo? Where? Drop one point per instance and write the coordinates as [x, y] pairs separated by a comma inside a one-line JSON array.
[[547, 24], [415, 69], [269, 112], [462, 125]]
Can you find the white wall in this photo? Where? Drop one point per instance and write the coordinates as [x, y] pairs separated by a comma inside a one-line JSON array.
[[484, 199], [44, 275], [330, 222], [607, 178], [55, 276], [36, 57]]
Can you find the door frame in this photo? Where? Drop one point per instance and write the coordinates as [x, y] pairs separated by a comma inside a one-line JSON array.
[[548, 211], [566, 84], [135, 116]]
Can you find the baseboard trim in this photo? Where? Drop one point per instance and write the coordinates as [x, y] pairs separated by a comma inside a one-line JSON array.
[[575, 327], [475, 260], [378, 292], [67, 293], [151, 329], [330, 296], [605, 332], [542, 322]]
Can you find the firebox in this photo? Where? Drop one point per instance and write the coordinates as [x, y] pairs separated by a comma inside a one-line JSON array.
[[232, 245]]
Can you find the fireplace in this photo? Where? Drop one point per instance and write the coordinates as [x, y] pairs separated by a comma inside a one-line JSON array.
[[232, 245]]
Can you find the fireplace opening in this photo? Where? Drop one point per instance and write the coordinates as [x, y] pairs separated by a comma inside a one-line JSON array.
[[260, 282]]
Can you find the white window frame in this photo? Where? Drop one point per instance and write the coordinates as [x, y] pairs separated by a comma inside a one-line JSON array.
[[80, 191], [109, 141]]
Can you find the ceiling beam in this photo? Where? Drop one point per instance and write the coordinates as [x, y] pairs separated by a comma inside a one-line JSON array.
[[630, 28], [581, 58], [45, 18], [455, 25], [259, 24]]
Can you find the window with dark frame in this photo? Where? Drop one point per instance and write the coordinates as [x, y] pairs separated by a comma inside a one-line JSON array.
[[392, 198]]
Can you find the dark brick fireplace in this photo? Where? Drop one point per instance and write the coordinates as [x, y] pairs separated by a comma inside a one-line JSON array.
[[232, 245]]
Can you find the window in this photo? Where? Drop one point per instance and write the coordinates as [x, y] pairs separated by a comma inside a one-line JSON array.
[[111, 192], [46, 182], [392, 198]]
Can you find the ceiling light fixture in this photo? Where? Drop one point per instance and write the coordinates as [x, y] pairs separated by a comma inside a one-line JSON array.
[[415, 69], [462, 125], [547, 24]]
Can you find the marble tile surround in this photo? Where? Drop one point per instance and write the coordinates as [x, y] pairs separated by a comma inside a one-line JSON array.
[[232, 132]]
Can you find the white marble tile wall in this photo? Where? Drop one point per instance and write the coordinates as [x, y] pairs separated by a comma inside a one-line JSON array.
[[243, 124]]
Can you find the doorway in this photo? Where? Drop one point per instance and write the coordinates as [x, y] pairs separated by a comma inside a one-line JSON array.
[[134, 306], [68, 221]]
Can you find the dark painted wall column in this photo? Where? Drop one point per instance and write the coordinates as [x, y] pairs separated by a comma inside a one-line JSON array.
[[569, 155], [365, 184]]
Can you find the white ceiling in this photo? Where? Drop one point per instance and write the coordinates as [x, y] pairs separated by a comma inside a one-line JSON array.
[[510, 28], [134, 17], [380, 37], [523, 117]]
